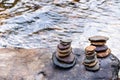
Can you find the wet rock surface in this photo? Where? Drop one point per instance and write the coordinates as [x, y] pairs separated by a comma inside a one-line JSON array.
[[78, 72]]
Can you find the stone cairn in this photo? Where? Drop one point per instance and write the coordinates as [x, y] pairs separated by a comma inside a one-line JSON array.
[[101, 49], [64, 57], [91, 62]]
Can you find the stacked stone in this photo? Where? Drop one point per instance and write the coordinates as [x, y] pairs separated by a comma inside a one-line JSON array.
[[101, 49], [76, 0], [64, 57], [91, 62]]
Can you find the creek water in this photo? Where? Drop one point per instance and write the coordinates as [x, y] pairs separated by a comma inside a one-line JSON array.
[[42, 23]]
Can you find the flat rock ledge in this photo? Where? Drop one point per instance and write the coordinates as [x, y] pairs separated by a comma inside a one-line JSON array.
[[109, 68], [22, 64], [36, 64]]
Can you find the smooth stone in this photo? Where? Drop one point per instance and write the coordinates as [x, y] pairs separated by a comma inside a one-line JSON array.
[[62, 64], [76, 0], [64, 51], [98, 38], [91, 64], [65, 41], [89, 57], [68, 59], [90, 48], [103, 54], [89, 61], [62, 47], [101, 48], [89, 53], [98, 43], [63, 55], [95, 68]]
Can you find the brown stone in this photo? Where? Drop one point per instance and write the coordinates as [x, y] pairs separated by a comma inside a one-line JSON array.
[[61, 47], [64, 51], [103, 54], [98, 43], [98, 38], [63, 55], [90, 49], [76, 0], [68, 59]]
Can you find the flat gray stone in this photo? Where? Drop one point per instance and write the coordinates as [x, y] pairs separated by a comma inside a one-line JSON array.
[[61, 64], [98, 38]]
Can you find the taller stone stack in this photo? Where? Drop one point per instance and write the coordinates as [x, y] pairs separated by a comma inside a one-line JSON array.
[[99, 42], [64, 57]]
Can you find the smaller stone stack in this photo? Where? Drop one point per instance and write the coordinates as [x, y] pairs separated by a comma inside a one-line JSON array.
[[101, 49], [91, 62], [64, 57]]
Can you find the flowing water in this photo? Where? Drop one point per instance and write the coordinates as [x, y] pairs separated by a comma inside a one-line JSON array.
[[42, 23]]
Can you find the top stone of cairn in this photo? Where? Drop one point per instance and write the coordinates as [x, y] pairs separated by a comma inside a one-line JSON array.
[[65, 41], [98, 38]]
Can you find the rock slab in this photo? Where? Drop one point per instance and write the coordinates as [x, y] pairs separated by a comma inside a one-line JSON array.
[[109, 68], [36, 64]]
